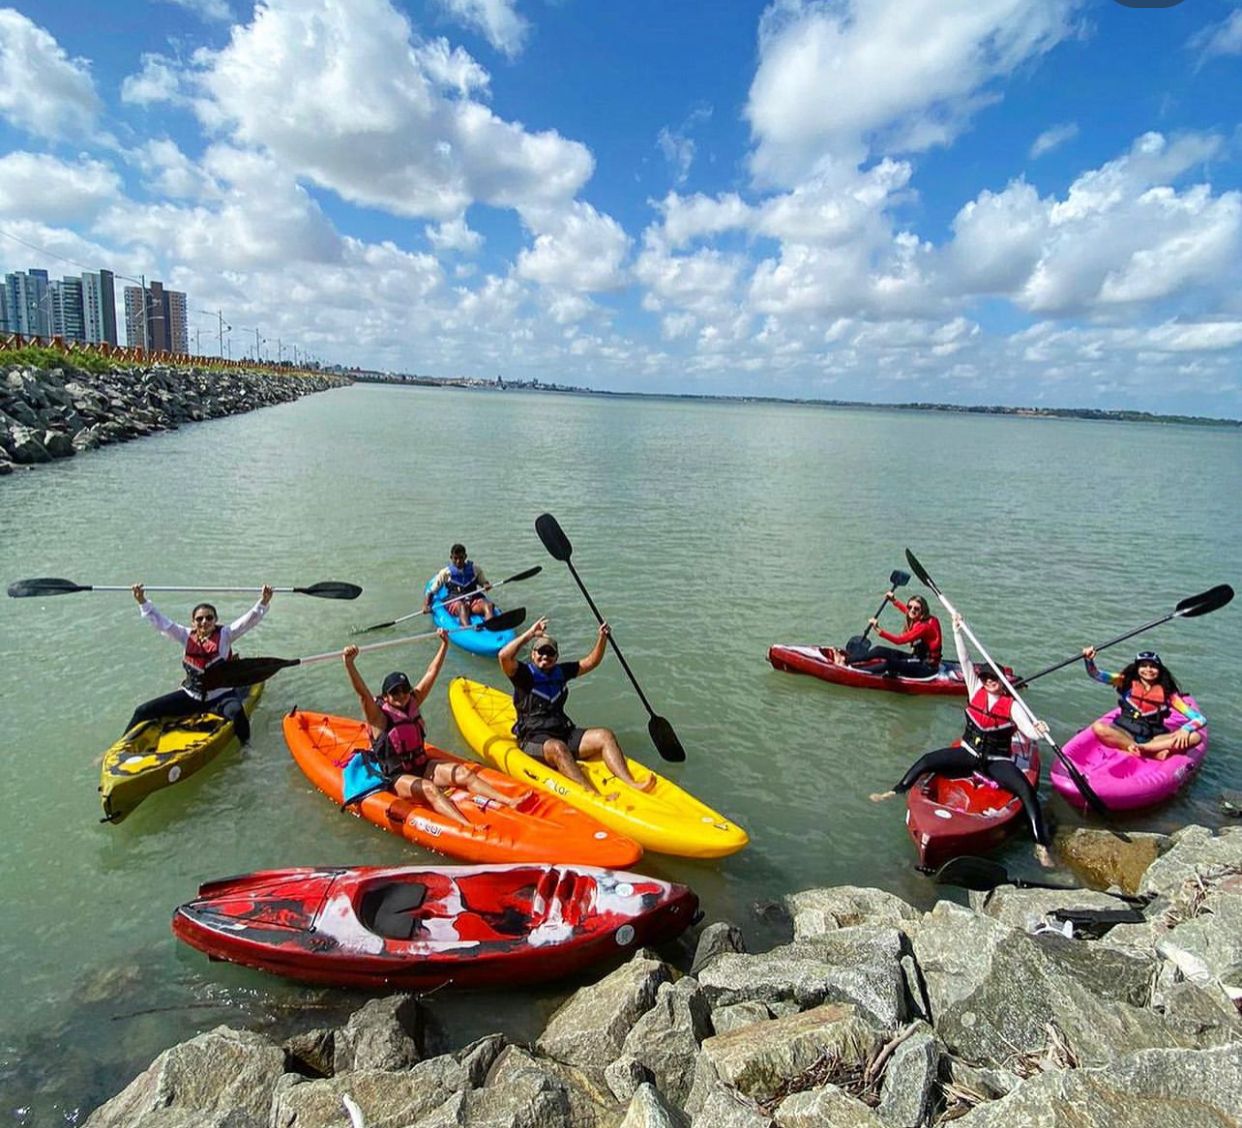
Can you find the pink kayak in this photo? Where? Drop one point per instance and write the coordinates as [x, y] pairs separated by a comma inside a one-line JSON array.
[[1124, 782]]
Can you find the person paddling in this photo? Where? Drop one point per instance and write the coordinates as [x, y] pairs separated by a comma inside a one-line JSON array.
[[464, 584], [205, 644], [992, 718], [922, 635], [1148, 693], [398, 739], [540, 690]]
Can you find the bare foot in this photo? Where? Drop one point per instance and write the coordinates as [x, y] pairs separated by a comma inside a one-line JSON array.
[[1163, 754], [647, 785], [1133, 750], [1043, 857], [881, 796]]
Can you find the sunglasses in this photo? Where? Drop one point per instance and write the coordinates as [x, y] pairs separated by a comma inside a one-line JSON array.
[[204, 618], [545, 651]]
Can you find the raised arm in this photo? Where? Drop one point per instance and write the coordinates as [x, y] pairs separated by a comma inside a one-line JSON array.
[[433, 669], [963, 656], [509, 652], [1093, 671], [373, 714], [253, 617], [587, 664], [160, 622]]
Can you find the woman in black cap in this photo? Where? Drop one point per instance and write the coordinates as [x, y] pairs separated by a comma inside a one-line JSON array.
[[398, 739], [1147, 694]]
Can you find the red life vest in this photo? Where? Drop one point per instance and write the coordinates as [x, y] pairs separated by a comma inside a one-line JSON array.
[[401, 748], [1145, 703], [989, 731], [199, 654]]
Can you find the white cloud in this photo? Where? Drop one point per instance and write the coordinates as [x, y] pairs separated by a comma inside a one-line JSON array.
[[1224, 38], [678, 146], [158, 81], [687, 218], [42, 90], [168, 171], [1053, 138], [838, 77], [454, 235], [212, 10], [576, 249], [346, 96], [498, 20], [43, 189]]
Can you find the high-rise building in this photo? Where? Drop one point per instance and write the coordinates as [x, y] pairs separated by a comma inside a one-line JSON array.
[[164, 313], [28, 303], [66, 304], [99, 307], [177, 319]]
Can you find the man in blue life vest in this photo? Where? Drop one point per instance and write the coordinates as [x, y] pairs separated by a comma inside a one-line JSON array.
[[463, 583], [540, 689]]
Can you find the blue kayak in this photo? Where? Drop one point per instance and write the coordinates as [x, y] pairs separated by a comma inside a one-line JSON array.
[[487, 643]]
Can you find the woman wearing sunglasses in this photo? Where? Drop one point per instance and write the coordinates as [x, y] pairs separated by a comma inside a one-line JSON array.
[[204, 644], [540, 690], [1147, 695], [922, 635], [992, 719]]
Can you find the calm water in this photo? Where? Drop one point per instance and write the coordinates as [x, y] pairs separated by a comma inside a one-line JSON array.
[[705, 532]]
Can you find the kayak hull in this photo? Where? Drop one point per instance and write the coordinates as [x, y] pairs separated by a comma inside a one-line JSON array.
[[425, 927], [160, 753], [947, 681], [540, 829], [487, 643], [949, 817], [666, 819], [1123, 782]]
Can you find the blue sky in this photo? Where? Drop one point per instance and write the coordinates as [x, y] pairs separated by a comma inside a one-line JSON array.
[[1007, 201]]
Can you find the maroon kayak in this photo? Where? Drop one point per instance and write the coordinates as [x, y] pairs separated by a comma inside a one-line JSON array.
[[814, 660], [948, 817], [422, 927]]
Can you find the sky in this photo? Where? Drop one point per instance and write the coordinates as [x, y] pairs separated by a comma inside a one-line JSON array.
[[1016, 202]]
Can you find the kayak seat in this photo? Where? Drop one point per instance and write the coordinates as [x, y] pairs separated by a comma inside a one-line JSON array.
[[387, 910]]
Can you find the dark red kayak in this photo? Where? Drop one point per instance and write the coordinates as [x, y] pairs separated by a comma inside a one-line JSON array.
[[949, 817], [419, 927], [815, 660]]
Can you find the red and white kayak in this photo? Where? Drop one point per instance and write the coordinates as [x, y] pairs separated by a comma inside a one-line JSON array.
[[948, 817], [1124, 782], [422, 927], [815, 660]]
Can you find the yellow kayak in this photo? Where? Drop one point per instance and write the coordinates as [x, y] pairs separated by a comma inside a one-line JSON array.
[[159, 753], [666, 819]]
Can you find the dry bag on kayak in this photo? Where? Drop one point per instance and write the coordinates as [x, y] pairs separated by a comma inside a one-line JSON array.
[[359, 778]]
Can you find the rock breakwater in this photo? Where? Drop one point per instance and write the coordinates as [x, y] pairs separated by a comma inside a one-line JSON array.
[[47, 414], [874, 1015]]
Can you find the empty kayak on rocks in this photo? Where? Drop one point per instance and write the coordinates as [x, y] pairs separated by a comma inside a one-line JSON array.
[[1124, 782], [666, 818], [159, 753], [541, 828], [424, 927]]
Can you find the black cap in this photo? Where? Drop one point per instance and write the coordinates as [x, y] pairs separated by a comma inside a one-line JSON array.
[[395, 681]]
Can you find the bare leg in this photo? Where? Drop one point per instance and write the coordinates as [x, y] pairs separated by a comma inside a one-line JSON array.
[[1162, 747], [881, 796], [556, 753], [1114, 737], [602, 743], [461, 775], [412, 787]]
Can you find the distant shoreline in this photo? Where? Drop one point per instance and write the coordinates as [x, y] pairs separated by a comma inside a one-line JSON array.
[[965, 409]]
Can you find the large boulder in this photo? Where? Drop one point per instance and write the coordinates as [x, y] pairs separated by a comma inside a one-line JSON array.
[[666, 1039], [1194, 853], [819, 911], [1100, 858], [384, 1034]]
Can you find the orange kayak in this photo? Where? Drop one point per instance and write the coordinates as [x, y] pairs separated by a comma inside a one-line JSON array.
[[541, 828]]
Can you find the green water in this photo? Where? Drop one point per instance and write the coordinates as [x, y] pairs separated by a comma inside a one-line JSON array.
[[704, 531]]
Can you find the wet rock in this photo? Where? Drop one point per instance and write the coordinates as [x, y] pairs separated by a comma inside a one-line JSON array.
[[1101, 859], [714, 940], [384, 1034], [58, 444], [818, 911]]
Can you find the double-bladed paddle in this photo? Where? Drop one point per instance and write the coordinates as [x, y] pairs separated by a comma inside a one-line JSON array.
[[51, 585], [660, 731], [896, 578], [425, 610], [984, 875], [1192, 606], [238, 672], [1093, 800]]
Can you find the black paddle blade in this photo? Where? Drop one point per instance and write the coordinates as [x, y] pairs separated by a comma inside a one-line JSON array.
[[375, 627], [505, 621], [521, 575], [983, 875], [241, 672], [1211, 600], [50, 585], [920, 571], [897, 578], [331, 589], [554, 539], [665, 740]]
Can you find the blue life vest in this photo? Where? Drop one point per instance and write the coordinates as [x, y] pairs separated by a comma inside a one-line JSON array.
[[461, 580], [542, 709]]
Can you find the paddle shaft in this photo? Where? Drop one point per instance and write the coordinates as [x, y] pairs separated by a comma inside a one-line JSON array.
[[895, 581], [526, 575]]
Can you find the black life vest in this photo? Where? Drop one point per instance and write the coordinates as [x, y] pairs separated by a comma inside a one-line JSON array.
[[462, 581], [989, 731], [401, 748], [542, 708], [199, 654], [925, 651]]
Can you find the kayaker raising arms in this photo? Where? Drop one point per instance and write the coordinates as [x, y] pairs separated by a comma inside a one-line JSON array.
[[1148, 693], [206, 643], [464, 585], [398, 745], [922, 635], [992, 718], [540, 690]]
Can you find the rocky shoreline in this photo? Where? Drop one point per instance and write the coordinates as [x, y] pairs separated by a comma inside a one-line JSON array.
[[874, 1015], [48, 414]]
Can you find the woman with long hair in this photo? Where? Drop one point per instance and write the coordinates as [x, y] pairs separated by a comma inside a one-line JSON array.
[[1148, 693], [922, 635]]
